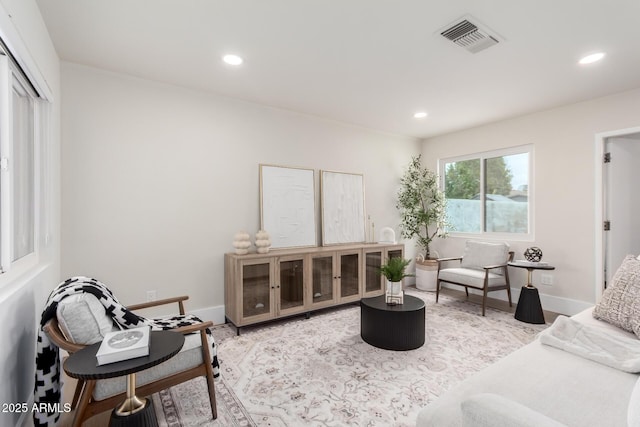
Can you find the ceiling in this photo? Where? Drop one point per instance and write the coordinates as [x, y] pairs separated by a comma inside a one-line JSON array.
[[372, 63]]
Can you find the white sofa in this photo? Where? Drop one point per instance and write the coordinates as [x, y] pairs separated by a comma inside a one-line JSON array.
[[539, 385]]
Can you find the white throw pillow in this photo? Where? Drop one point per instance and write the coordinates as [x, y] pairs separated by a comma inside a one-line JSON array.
[[620, 302], [493, 410], [83, 319], [633, 413]]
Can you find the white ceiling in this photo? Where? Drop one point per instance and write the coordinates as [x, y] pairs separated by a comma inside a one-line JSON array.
[[371, 63]]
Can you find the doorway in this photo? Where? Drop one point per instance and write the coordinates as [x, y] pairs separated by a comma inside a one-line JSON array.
[[617, 207]]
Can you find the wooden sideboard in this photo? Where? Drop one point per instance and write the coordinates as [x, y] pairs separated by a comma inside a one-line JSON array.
[[285, 282]]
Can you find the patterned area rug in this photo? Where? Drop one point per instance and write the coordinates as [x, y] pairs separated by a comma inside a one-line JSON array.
[[187, 405], [318, 371]]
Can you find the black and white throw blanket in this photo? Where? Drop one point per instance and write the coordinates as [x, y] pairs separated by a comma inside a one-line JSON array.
[[47, 382]]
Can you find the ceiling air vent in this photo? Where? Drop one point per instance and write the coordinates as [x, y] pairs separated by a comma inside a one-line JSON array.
[[468, 35]]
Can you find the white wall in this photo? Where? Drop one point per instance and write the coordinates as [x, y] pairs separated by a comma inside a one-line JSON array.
[[22, 296], [157, 179], [564, 180]]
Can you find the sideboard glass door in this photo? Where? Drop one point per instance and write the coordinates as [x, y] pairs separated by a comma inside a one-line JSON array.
[[256, 289], [291, 285], [349, 276], [373, 284], [322, 280]]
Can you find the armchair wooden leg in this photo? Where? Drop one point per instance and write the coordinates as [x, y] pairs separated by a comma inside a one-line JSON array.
[[76, 395], [484, 300], [87, 391], [466, 290], [509, 294], [437, 289], [210, 384]]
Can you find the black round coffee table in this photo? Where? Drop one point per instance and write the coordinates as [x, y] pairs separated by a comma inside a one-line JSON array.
[[393, 327], [83, 365]]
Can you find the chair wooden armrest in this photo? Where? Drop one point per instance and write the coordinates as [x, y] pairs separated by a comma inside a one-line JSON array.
[[180, 300], [193, 328], [489, 267], [505, 265], [457, 258], [52, 329]]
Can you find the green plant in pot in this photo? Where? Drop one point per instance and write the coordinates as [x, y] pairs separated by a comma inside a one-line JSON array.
[[394, 271], [422, 207]]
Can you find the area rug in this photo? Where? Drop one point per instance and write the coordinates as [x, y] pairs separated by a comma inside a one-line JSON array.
[[319, 372], [187, 405]]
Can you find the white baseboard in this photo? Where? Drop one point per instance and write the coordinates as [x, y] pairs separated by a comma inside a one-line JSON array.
[[559, 305], [215, 314], [556, 304]]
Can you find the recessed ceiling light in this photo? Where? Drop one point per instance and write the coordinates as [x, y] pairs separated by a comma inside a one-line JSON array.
[[420, 115], [590, 59], [232, 59]]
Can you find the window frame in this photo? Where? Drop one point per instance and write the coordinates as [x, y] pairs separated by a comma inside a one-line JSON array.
[[483, 156], [11, 76]]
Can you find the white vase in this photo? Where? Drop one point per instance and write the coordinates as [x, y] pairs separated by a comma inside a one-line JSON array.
[[262, 242], [394, 293], [241, 242]]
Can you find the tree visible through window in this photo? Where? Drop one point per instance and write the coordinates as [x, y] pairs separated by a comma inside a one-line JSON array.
[[489, 193]]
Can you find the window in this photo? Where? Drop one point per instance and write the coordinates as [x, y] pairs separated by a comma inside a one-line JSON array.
[[489, 192], [18, 168]]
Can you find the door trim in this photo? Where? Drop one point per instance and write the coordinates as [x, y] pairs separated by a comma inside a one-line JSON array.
[[600, 141]]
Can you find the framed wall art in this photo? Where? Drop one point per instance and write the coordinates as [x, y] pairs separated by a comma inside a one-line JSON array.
[[287, 206], [342, 201]]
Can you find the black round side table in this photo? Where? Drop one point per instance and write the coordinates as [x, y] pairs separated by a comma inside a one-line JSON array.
[[83, 365], [529, 308], [392, 327]]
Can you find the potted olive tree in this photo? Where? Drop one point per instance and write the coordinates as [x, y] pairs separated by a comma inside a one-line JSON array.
[[394, 272], [422, 208]]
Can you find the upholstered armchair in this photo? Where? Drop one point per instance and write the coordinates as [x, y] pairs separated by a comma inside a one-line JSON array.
[[483, 266], [81, 320]]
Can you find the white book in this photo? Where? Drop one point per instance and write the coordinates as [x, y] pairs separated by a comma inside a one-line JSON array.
[[123, 345], [531, 263]]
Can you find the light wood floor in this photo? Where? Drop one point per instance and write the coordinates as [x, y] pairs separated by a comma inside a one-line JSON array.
[[68, 388], [102, 419]]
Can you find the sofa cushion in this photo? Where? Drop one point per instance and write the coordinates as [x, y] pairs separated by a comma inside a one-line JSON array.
[[480, 254], [633, 412], [620, 302], [82, 319], [493, 410]]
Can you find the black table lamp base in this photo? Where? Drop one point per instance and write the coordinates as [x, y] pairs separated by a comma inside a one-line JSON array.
[[529, 309]]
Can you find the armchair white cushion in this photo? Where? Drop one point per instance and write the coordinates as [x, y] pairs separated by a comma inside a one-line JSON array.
[[190, 356], [477, 255]]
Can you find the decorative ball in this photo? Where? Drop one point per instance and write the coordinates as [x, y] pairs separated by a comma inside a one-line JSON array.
[[533, 254]]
